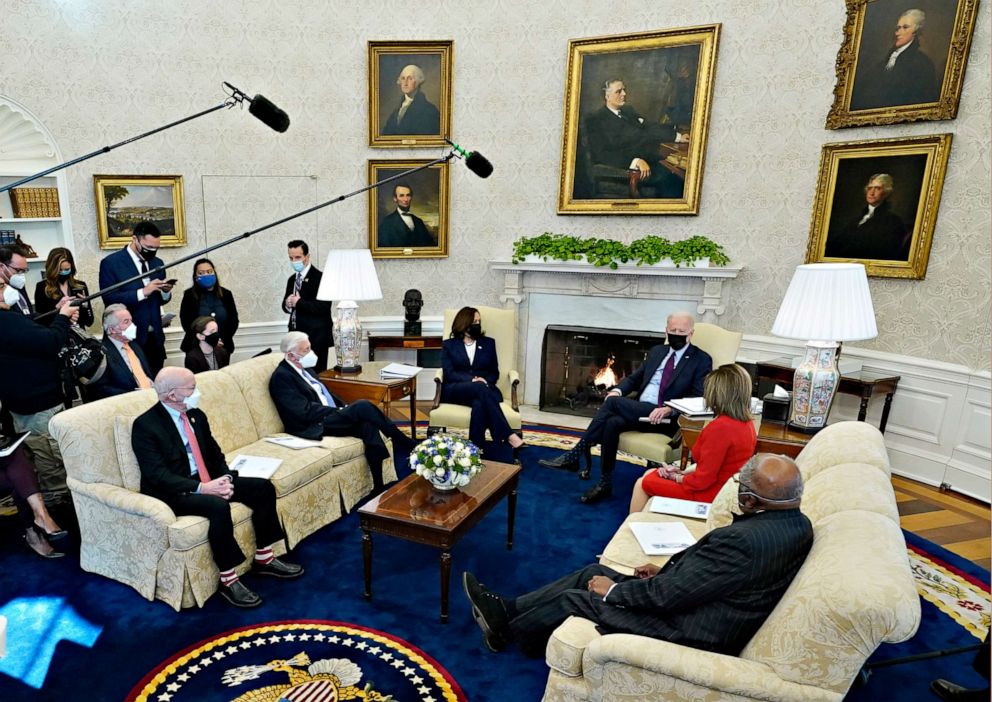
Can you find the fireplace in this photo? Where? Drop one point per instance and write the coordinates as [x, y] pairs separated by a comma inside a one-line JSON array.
[[579, 365]]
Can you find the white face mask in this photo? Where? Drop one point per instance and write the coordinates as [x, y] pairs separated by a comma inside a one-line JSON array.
[[310, 360], [11, 297], [193, 401], [18, 281], [130, 333]]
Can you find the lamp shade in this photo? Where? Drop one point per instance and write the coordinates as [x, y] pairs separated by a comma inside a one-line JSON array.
[[349, 274], [828, 302]]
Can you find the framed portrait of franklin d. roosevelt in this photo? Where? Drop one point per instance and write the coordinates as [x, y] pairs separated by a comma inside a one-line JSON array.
[[876, 203], [636, 120], [409, 93], [902, 61], [408, 217]]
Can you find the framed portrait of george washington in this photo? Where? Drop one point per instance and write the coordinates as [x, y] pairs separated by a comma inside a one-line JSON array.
[[409, 93], [637, 110], [902, 61], [408, 218], [876, 203]]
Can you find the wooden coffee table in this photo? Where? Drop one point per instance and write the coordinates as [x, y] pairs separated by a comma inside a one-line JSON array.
[[368, 385], [414, 510]]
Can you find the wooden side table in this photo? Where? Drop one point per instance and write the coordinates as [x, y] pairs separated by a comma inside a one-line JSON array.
[[772, 437], [418, 343], [413, 510], [368, 385], [861, 384]]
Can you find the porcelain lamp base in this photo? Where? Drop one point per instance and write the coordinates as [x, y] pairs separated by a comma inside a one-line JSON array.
[[347, 337], [814, 386]]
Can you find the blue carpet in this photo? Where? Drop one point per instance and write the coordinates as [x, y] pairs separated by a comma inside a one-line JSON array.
[[104, 638]]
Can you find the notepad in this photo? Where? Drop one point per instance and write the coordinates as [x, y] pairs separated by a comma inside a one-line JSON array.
[[255, 466], [680, 508], [662, 538], [692, 406], [293, 442], [399, 370]]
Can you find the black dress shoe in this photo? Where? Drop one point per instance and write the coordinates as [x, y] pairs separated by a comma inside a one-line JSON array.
[[238, 594], [50, 535], [947, 690], [488, 612], [597, 493], [39, 546], [278, 569], [562, 462]]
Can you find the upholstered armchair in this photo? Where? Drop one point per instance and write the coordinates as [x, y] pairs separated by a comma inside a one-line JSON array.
[[500, 325], [722, 346]]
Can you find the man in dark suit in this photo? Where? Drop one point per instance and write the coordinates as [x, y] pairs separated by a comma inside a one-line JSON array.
[[876, 232], [904, 76], [714, 596], [182, 465], [143, 297], [14, 268], [127, 367], [306, 313], [309, 410], [671, 371], [402, 228], [415, 114], [618, 136]]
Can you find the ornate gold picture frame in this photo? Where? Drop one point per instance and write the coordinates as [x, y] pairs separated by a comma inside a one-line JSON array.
[[876, 203], [408, 218], [409, 93], [122, 201], [901, 62], [637, 109]]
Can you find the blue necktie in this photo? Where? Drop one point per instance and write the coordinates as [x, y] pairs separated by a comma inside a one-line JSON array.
[[319, 386]]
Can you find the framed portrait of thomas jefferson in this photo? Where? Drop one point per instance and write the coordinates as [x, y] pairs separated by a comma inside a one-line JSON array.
[[637, 110], [408, 217], [409, 93], [902, 61], [876, 203]]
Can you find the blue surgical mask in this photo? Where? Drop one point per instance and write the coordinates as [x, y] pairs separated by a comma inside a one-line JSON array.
[[298, 266], [206, 281], [65, 274]]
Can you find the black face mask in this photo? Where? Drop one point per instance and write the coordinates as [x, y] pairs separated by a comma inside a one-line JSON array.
[[474, 330], [212, 339], [677, 341], [147, 254]]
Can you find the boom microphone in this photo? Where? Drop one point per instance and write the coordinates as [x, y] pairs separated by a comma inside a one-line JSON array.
[[263, 109], [476, 162]]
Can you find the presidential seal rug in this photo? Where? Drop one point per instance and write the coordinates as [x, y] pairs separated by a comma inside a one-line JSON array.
[[299, 661]]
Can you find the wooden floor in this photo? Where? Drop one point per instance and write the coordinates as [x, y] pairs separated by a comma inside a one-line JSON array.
[[959, 524]]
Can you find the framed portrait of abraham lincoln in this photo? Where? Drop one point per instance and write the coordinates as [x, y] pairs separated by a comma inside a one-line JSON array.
[[902, 61], [876, 203], [409, 93], [408, 217], [637, 109]]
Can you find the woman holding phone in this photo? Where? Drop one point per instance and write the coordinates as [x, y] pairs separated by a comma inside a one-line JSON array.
[[724, 445]]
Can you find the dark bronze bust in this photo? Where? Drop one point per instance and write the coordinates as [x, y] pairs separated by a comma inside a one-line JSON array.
[[413, 301]]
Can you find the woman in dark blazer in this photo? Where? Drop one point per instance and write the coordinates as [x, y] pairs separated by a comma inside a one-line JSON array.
[[206, 298], [471, 369], [208, 354], [60, 282]]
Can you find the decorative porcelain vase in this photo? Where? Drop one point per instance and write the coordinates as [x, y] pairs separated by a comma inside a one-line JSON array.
[[814, 386]]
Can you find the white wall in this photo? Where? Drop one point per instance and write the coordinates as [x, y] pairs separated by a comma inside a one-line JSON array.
[[96, 73]]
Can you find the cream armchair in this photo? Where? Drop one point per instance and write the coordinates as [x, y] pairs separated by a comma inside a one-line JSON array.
[[500, 325], [722, 346], [854, 592]]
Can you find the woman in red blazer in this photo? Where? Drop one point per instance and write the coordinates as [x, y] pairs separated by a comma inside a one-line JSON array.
[[724, 445]]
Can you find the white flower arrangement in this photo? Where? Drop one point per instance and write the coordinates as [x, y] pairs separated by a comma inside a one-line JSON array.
[[447, 460]]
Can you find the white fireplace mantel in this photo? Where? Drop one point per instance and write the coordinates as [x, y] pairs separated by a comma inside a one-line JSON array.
[[704, 285]]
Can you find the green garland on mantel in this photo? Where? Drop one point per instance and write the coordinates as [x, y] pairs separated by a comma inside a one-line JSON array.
[[606, 252]]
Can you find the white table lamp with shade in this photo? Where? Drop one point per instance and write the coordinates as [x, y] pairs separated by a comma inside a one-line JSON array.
[[826, 303], [349, 276]]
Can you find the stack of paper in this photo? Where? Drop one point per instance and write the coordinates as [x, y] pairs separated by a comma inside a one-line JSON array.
[[680, 508], [692, 406], [255, 466], [293, 442], [399, 370], [9, 443], [662, 538]]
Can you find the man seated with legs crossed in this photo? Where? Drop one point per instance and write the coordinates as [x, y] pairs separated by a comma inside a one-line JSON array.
[[182, 465], [309, 410], [714, 596], [673, 370]]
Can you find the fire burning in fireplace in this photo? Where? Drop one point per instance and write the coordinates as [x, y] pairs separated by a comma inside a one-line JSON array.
[[606, 377]]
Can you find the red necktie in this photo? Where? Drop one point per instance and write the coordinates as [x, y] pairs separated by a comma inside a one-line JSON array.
[[666, 378], [194, 445]]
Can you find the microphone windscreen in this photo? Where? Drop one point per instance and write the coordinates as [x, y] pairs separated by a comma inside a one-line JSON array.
[[479, 164], [262, 108]]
